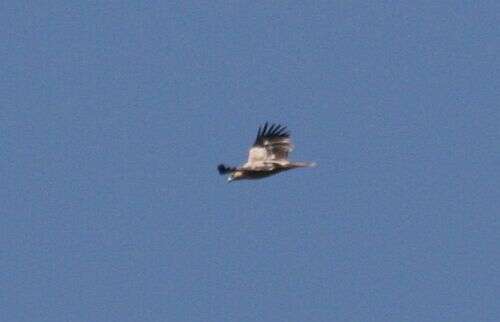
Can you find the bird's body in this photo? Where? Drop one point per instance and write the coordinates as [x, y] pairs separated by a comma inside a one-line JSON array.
[[268, 156]]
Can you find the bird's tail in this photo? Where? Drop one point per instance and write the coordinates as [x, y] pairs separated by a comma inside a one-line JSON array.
[[303, 164], [224, 169]]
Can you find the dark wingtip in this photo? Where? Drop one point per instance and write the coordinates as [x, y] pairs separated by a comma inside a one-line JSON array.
[[264, 130], [223, 169], [275, 130], [271, 129]]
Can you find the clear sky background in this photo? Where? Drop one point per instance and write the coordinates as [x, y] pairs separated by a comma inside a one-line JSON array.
[[114, 115]]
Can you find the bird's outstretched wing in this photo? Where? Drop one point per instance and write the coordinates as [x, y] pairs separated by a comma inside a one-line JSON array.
[[271, 145]]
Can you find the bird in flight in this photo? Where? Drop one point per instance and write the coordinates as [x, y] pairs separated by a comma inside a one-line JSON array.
[[267, 156]]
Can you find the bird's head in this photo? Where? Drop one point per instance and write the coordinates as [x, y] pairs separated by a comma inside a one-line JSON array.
[[236, 175]]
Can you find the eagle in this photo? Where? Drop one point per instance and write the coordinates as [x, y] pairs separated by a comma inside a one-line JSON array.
[[267, 156]]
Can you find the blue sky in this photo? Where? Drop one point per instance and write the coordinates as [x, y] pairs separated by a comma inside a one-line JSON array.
[[114, 116]]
